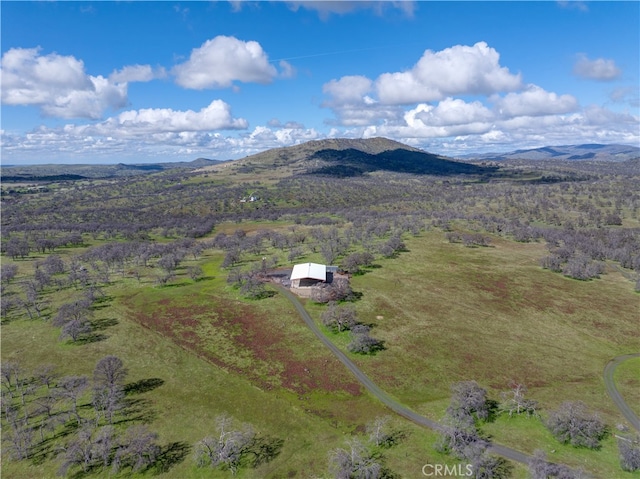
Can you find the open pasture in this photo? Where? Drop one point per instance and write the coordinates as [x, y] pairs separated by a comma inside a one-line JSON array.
[[449, 313]]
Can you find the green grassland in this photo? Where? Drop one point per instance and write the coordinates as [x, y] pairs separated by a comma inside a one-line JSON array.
[[627, 379], [198, 381], [446, 313], [194, 391], [492, 315]]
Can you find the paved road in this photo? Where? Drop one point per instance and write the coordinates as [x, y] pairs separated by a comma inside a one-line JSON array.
[[616, 397], [391, 403]]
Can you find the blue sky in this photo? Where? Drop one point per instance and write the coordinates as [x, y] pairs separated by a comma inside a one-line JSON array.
[[134, 81]]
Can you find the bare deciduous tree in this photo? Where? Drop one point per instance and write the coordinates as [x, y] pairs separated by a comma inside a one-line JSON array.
[[45, 374], [469, 399], [46, 404], [540, 468], [75, 310], [487, 466], [8, 271], [228, 448], [11, 372], [339, 318], [629, 449], [88, 448], [75, 328], [353, 262], [109, 372], [378, 430], [194, 272], [79, 451], [354, 461], [138, 449], [362, 342], [17, 247], [252, 287], [572, 423], [515, 402], [70, 388], [108, 386], [461, 438], [19, 440]]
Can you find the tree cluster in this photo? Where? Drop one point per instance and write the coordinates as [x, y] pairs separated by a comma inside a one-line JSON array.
[[540, 468], [235, 446], [338, 290], [89, 271], [461, 436], [74, 319], [573, 424], [37, 406], [362, 342], [359, 460], [354, 461], [354, 262], [339, 318], [228, 448], [629, 450]]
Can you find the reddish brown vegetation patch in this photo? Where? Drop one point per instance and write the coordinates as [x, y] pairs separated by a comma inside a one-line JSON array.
[[271, 353], [314, 374], [498, 289]]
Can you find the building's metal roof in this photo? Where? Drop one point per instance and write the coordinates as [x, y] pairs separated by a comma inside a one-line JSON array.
[[309, 270]]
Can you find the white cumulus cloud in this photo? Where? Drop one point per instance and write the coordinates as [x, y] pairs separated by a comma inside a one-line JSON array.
[[348, 89], [219, 62], [326, 8], [460, 70], [452, 111], [534, 101], [137, 73], [350, 100], [601, 69], [57, 84], [215, 116], [456, 70], [286, 69]]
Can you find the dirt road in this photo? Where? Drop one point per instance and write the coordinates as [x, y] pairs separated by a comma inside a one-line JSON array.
[[391, 403], [615, 395]]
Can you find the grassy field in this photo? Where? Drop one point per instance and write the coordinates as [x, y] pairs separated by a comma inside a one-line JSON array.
[[627, 378], [449, 313], [193, 390], [445, 312], [255, 361]]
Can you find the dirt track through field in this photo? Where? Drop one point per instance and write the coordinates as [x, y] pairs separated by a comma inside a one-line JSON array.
[[391, 403], [615, 395]]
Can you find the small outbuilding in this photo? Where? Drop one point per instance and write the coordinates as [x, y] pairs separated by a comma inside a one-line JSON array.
[[306, 275], [309, 277]]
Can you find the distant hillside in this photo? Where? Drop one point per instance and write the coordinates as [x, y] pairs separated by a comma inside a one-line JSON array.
[[61, 172], [592, 152], [343, 157]]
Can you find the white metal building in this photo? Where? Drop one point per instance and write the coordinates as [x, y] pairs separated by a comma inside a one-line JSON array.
[[308, 274]]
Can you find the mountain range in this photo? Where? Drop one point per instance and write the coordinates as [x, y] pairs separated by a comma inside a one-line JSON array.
[[591, 152], [337, 157]]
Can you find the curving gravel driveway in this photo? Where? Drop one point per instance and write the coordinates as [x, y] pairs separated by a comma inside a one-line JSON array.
[[615, 395], [391, 403]]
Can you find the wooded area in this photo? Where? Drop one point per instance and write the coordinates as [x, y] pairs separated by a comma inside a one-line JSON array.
[[68, 247]]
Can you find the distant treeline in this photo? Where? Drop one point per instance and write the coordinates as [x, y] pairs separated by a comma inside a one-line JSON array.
[[32, 178]]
